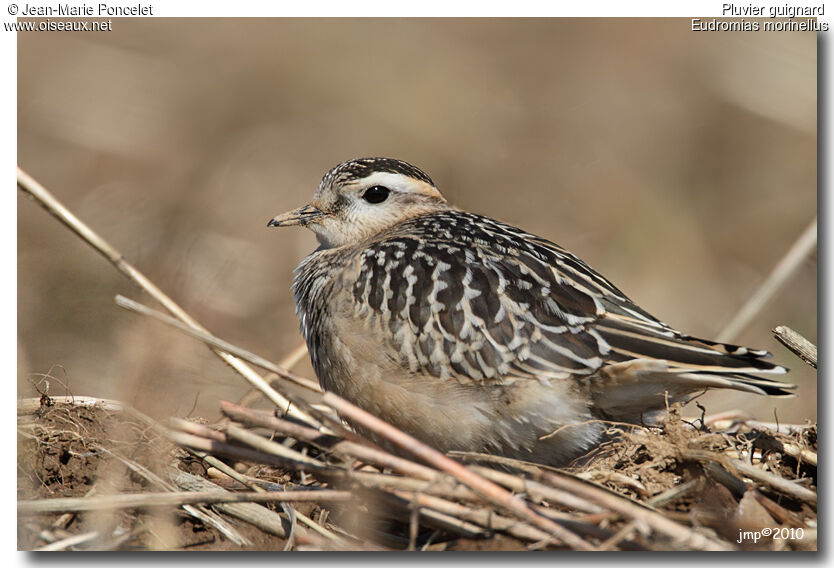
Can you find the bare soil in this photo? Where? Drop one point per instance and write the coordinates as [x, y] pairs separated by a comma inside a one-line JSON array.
[[67, 451]]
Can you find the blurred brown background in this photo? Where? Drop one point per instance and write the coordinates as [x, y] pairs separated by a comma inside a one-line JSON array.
[[681, 165]]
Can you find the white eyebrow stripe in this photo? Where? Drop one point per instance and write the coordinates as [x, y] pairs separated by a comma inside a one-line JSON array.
[[399, 182]]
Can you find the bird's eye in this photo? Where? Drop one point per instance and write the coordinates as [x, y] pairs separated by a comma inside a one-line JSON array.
[[376, 194]]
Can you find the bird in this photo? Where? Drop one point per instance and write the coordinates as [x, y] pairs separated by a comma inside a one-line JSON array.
[[473, 335]]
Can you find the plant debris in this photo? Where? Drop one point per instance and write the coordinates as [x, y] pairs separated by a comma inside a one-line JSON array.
[[678, 486]]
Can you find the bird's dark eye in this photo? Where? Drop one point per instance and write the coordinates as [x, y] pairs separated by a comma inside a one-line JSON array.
[[376, 194]]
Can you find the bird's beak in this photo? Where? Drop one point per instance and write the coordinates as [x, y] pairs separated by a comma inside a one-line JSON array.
[[300, 216]]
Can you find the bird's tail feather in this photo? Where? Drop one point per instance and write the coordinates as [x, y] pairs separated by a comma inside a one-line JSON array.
[[633, 390], [648, 358], [631, 340]]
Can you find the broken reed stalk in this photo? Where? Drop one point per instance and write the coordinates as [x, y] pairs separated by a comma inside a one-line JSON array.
[[175, 499], [269, 447], [33, 405], [747, 470], [46, 200], [374, 480], [796, 452], [797, 344], [252, 484], [782, 485], [206, 439], [780, 274], [580, 491], [255, 514]]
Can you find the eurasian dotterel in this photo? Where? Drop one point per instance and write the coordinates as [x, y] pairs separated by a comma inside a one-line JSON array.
[[474, 335]]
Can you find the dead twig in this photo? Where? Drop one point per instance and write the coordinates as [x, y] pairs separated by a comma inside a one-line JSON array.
[[27, 406], [778, 483], [800, 454], [671, 494], [797, 344], [240, 478], [253, 513], [330, 535], [68, 542], [756, 474], [240, 453]]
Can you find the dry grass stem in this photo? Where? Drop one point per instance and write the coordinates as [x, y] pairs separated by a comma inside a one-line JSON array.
[[538, 492], [238, 452], [671, 494], [329, 535], [217, 343], [288, 362], [484, 517], [169, 499], [268, 447], [784, 269]]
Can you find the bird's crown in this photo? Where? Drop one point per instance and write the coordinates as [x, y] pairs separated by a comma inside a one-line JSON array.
[[360, 168]]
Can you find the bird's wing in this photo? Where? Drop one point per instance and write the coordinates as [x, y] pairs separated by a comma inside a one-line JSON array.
[[467, 297], [632, 334], [466, 313]]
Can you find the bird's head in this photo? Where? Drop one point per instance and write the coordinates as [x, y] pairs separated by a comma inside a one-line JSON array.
[[362, 198]]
